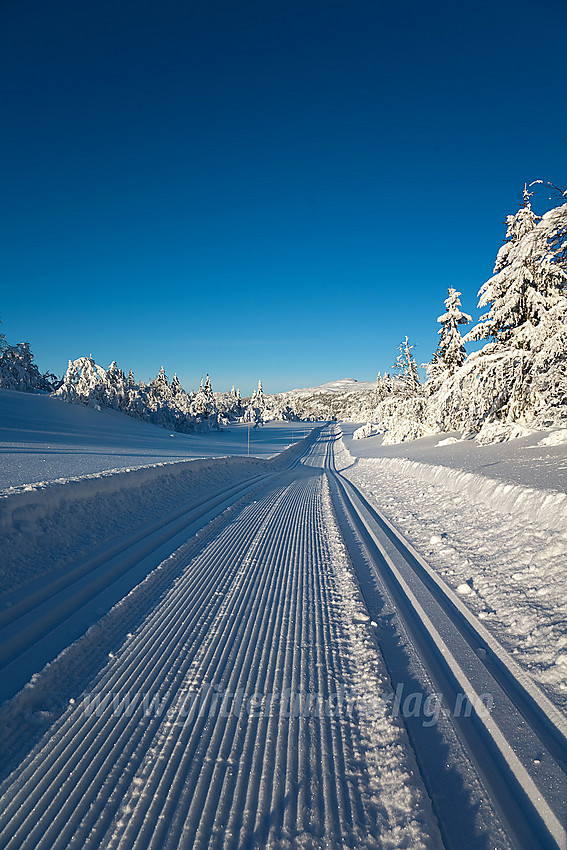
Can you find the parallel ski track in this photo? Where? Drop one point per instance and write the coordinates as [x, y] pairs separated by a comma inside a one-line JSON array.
[[520, 749], [30, 619], [251, 612]]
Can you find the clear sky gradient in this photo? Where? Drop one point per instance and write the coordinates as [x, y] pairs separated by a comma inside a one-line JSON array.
[[274, 189]]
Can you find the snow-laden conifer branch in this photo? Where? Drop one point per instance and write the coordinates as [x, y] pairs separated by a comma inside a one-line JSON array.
[[19, 372]]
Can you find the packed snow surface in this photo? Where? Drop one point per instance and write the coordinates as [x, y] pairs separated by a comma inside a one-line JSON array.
[[155, 726], [250, 707]]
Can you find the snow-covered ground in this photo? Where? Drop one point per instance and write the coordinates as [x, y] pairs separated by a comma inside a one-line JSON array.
[[155, 572], [73, 478], [537, 460], [77, 484], [42, 439], [493, 521], [227, 715]]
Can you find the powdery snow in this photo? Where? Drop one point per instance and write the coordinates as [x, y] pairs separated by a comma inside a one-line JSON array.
[[525, 461], [555, 438]]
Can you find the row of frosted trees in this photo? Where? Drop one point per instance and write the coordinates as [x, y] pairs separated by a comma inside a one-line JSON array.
[[161, 401], [520, 374]]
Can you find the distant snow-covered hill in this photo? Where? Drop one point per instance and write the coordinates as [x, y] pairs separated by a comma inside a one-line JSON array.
[[344, 385]]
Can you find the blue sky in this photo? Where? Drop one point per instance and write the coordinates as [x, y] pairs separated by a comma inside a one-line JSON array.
[[274, 189]]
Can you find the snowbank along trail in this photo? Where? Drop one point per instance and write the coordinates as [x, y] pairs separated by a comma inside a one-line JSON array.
[[514, 734], [501, 546]]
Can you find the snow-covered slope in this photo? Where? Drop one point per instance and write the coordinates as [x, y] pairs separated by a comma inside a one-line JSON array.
[[344, 385], [43, 439]]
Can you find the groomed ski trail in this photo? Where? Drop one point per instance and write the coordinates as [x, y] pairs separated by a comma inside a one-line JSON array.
[[219, 722]]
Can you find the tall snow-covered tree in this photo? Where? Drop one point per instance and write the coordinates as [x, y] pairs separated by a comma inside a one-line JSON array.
[[451, 352], [256, 406], [258, 396], [160, 384], [236, 401], [18, 371], [203, 405], [116, 387], [175, 385], [406, 368], [528, 280]]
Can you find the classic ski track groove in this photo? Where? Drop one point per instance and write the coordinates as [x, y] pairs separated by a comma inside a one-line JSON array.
[[31, 618], [529, 794], [250, 611]]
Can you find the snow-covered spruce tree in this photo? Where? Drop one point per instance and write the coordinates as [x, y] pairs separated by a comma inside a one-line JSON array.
[[520, 376], [116, 394], [258, 396], [548, 374], [401, 412], [158, 400], [385, 386], [450, 353], [406, 369], [203, 405], [175, 385], [234, 404], [84, 382], [160, 384], [19, 372], [527, 280], [255, 411]]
